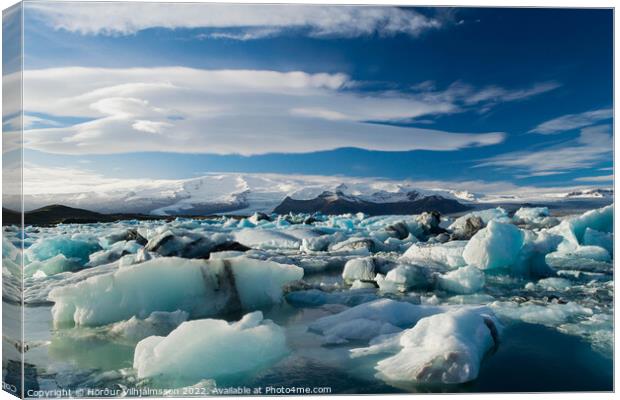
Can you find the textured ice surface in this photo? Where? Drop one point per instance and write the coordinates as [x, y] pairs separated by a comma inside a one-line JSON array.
[[199, 287], [382, 314], [211, 348], [442, 348], [496, 246], [486, 215], [54, 265], [464, 280], [78, 248], [449, 254], [405, 277]]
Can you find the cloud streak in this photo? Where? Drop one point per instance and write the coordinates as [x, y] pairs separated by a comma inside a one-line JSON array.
[[246, 112], [573, 121], [251, 21], [594, 145]]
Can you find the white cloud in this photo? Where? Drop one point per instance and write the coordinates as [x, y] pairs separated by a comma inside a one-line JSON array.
[[603, 178], [594, 145], [252, 20], [573, 121], [228, 111]]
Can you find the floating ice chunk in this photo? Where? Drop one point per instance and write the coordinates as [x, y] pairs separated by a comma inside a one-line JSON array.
[[320, 243], [78, 249], [592, 237], [459, 226], [551, 284], [159, 323], [122, 235], [356, 245], [404, 277], [464, 280], [535, 217], [200, 287], [496, 246], [357, 329], [594, 253], [573, 229], [184, 243], [359, 269], [357, 284], [529, 214], [113, 253], [266, 239], [245, 223], [365, 269], [443, 348], [204, 348], [51, 266], [551, 314], [449, 254], [396, 313]]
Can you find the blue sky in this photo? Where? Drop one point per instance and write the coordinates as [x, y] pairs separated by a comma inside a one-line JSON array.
[[512, 95]]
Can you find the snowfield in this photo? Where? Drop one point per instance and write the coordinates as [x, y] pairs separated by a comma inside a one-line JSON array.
[[402, 300]]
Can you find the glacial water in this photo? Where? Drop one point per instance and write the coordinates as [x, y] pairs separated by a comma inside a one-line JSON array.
[[555, 323]]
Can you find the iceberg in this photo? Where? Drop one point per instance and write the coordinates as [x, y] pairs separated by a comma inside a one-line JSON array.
[[52, 266], [496, 246], [592, 237], [202, 288], [405, 277], [574, 229], [365, 269], [464, 227], [79, 249], [442, 348], [113, 253], [465, 280], [383, 311], [184, 243], [211, 348], [267, 239], [448, 254]]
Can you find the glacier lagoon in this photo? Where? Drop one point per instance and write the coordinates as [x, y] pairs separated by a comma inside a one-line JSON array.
[[485, 301]]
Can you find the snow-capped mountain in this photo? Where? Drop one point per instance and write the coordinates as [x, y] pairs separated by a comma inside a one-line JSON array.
[[591, 194], [244, 193]]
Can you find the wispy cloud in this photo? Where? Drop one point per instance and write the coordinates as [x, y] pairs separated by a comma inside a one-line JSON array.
[[573, 121], [600, 178], [594, 145], [482, 99], [120, 18], [246, 112]]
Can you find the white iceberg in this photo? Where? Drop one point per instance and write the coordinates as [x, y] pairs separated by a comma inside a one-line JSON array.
[[405, 277], [380, 312], [465, 280], [442, 348], [448, 254], [211, 348], [200, 287], [496, 246], [267, 239]]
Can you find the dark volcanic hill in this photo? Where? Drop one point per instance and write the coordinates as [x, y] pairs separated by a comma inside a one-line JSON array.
[[339, 203], [56, 214]]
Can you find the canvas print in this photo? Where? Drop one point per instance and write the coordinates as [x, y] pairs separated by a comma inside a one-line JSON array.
[[238, 199]]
